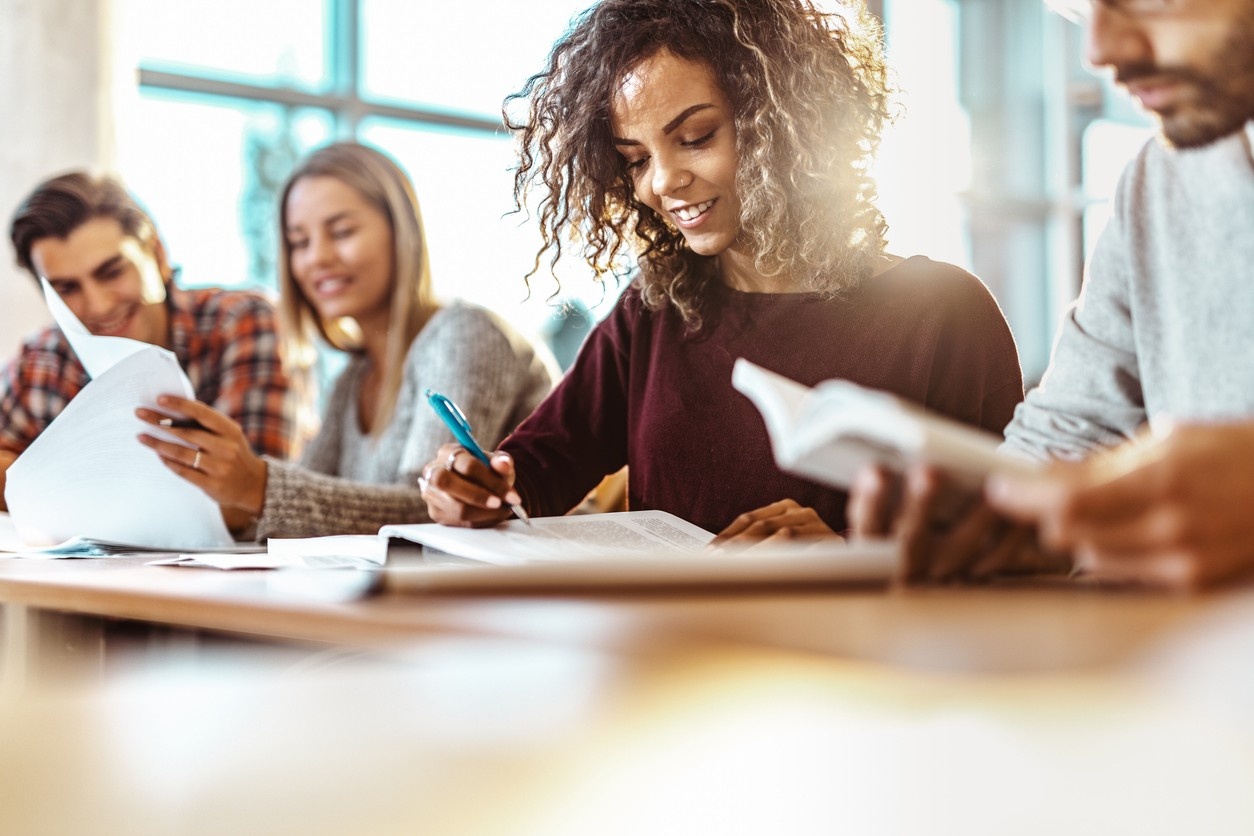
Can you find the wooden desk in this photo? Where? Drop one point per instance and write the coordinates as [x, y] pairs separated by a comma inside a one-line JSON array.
[[1018, 710], [474, 735], [1026, 627]]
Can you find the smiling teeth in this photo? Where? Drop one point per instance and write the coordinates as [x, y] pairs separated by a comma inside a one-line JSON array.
[[329, 285], [688, 213], [111, 325]]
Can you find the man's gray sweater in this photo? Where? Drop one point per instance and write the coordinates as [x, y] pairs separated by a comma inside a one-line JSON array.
[[1164, 326]]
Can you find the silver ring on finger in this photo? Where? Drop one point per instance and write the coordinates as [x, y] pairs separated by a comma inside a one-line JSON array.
[[196, 461], [451, 460]]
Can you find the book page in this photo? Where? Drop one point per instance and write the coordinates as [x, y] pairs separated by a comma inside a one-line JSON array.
[[838, 427], [589, 536], [780, 400]]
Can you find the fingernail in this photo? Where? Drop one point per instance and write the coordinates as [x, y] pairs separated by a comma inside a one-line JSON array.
[[165, 400], [513, 498], [494, 502]]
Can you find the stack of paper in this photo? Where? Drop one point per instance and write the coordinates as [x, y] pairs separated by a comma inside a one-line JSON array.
[[87, 475]]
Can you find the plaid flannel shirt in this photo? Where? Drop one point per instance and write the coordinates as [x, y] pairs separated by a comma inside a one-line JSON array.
[[225, 340]]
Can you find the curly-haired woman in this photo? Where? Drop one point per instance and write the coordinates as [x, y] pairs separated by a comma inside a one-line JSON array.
[[724, 145]]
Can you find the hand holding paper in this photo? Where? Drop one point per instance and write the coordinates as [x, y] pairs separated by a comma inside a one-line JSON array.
[[88, 475]]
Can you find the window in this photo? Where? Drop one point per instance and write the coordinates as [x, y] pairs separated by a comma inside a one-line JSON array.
[[924, 164], [233, 93]]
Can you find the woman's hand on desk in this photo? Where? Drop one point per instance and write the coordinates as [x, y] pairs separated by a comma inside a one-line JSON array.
[[215, 455], [779, 522], [947, 532], [460, 490]]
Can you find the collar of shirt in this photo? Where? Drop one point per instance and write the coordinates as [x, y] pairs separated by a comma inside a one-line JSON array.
[[182, 322]]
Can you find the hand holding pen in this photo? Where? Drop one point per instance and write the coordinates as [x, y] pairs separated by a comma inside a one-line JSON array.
[[467, 490]]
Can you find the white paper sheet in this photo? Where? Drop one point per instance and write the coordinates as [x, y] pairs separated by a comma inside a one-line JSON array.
[[87, 474], [9, 541], [345, 551], [97, 354]]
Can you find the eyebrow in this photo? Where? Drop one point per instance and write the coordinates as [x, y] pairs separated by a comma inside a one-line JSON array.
[[336, 218], [669, 126], [95, 272], [107, 265]]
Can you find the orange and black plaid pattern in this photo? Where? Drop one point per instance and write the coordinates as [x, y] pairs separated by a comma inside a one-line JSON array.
[[225, 340]]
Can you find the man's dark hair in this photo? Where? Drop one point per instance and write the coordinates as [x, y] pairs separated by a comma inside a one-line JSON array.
[[61, 205]]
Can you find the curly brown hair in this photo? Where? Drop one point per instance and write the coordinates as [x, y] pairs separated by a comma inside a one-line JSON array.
[[810, 95]]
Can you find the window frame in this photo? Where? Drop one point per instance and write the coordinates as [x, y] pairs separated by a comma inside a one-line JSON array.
[[344, 98]]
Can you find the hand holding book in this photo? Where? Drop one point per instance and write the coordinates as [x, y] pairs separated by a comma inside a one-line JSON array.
[[910, 473], [829, 432]]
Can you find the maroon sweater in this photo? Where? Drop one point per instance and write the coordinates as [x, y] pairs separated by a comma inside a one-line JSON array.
[[646, 393]]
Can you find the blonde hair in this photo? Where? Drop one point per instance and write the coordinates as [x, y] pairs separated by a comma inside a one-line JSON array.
[[810, 93], [381, 182]]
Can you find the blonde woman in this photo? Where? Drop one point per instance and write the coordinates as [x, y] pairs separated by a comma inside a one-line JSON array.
[[355, 271]]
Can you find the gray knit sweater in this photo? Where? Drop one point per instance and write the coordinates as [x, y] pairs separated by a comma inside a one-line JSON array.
[[1164, 327], [350, 482]]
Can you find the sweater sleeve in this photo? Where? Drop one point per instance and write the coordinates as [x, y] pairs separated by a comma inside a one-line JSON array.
[[465, 353], [492, 374], [303, 503], [1091, 396], [579, 434]]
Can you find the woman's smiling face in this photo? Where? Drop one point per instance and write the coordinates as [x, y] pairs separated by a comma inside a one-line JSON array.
[[675, 129], [340, 250]]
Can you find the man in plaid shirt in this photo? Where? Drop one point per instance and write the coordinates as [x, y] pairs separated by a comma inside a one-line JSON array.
[[100, 251]]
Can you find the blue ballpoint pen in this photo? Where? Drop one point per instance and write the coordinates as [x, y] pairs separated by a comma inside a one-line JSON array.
[[460, 427]]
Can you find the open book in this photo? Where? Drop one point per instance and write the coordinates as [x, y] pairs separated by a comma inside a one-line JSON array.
[[827, 433], [624, 549]]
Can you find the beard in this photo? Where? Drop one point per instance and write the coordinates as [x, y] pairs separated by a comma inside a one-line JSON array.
[[1216, 99]]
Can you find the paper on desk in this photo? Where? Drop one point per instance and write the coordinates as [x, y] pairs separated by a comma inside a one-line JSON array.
[[346, 551], [9, 541], [87, 474]]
